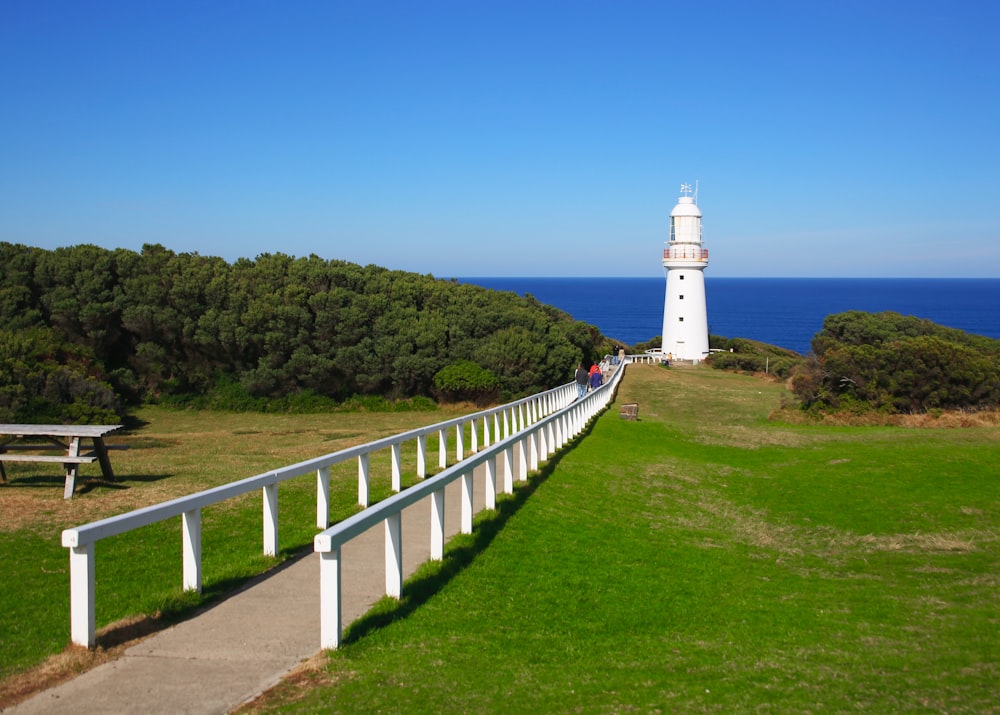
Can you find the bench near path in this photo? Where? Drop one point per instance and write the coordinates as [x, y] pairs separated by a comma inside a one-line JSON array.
[[236, 649], [61, 438]]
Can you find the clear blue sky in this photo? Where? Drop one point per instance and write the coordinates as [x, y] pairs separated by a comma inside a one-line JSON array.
[[488, 137]]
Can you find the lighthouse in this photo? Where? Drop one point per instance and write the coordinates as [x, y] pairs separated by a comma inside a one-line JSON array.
[[685, 311]]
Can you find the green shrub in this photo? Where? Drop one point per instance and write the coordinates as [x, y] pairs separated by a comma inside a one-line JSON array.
[[465, 380], [43, 379], [751, 356], [377, 403], [897, 364]]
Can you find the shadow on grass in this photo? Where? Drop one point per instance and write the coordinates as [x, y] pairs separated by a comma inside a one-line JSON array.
[[84, 483], [460, 552]]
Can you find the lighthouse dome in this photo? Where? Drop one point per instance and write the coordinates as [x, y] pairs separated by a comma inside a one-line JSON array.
[[686, 207]]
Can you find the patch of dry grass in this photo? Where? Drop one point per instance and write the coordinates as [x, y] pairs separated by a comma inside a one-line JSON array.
[[954, 419], [112, 641], [172, 454]]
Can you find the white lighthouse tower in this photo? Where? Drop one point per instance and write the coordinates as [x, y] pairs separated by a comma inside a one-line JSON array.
[[685, 311]]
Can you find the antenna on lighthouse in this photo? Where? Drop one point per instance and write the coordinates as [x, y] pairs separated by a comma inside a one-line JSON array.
[[696, 191]]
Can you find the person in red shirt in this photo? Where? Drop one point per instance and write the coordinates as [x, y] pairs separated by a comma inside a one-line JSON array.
[[596, 377]]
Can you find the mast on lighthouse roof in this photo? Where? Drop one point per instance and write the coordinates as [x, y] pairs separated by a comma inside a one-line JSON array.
[[685, 311]]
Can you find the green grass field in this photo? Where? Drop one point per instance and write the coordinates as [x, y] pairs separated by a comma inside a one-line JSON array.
[[703, 559]]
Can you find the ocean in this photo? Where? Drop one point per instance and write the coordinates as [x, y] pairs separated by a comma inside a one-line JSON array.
[[786, 312]]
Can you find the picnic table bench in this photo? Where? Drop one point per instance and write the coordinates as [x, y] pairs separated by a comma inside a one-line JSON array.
[[56, 437]]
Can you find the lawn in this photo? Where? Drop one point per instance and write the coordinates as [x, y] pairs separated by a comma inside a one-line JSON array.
[[702, 559], [171, 453]]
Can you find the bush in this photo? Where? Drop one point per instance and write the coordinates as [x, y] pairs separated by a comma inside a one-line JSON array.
[[465, 380], [43, 379], [751, 356], [894, 364]]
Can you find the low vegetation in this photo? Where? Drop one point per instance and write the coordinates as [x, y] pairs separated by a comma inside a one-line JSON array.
[[897, 364], [868, 365], [90, 332], [751, 357]]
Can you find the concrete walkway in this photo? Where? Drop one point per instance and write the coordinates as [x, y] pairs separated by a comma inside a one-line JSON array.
[[235, 650]]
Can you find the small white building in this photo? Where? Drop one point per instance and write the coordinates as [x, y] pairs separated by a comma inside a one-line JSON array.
[[685, 310]]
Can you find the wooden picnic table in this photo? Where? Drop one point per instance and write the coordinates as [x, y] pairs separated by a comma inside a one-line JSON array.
[[65, 438]]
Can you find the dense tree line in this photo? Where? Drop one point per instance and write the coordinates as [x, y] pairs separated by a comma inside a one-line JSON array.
[[122, 327], [897, 364]]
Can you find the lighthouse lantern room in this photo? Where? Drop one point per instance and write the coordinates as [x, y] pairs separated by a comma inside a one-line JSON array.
[[685, 311]]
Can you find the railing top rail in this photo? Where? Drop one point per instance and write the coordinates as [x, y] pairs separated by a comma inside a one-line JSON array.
[[113, 525], [326, 460]]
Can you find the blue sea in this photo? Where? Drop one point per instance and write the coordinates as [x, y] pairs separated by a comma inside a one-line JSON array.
[[786, 312]]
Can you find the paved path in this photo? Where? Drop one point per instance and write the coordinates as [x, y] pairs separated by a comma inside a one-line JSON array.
[[236, 649]]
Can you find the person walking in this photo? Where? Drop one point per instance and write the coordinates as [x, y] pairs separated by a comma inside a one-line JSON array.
[[581, 378], [596, 377]]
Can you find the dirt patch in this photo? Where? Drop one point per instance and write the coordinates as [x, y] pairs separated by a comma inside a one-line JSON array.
[[937, 420], [43, 509], [913, 543], [112, 641], [744, 437], [310, 674]]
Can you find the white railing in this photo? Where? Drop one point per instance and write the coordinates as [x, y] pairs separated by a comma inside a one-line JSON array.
[[534, 444], [648, 358], [505, 420]]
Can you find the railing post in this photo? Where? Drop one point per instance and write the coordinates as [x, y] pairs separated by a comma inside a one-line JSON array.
[[422, 456], [459, 439], [329, 598], [522, 460], [443, 448], [437, 524], [191, 549], [497, 435], [323, 497], [397, 467], [508, 470], [394, 555], [364, 485], [81, 595], [533, 450], [506, 424], [491, 482], [270, 519], [466, 526], [474, 436]]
